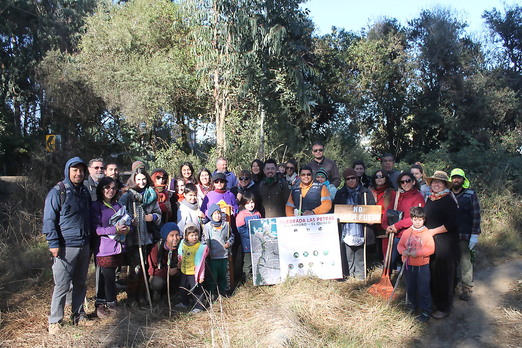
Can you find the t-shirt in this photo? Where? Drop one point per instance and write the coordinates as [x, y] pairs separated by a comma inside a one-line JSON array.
[[187, 258]]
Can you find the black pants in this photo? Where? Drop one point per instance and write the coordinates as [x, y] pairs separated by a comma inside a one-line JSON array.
[[442, 267]]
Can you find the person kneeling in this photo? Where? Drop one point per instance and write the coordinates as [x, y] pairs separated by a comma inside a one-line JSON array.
[[163, 259]]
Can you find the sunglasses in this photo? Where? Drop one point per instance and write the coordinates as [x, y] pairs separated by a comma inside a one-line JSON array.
[[161, 178], [219, 181], [318, 150], [379, 176], [407, 181], [306, 174], [350, 178], [97, 168], [290, 168], [244, 178]]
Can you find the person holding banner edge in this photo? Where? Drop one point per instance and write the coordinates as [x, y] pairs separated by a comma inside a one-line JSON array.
[[353, 236]]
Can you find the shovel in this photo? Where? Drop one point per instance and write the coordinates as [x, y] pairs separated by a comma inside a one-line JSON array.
[[384, 288]]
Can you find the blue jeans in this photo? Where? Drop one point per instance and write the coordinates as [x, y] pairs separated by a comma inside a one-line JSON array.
[[418, 280], [355, 258], [70, 266]]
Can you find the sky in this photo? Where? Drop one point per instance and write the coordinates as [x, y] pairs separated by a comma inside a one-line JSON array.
[[353, 15]]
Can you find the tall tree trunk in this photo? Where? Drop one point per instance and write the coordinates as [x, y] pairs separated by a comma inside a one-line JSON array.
[[261, 153]]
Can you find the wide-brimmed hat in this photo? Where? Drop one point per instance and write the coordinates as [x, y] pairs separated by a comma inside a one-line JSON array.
[[440, 175], [460, 172]]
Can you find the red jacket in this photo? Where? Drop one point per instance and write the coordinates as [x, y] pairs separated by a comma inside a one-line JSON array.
[[407, 200]]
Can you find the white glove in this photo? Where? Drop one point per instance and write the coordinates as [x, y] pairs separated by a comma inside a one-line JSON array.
[[473, 240]]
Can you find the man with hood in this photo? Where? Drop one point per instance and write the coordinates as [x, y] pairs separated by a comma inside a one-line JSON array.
[[468, 218], [66, 226]]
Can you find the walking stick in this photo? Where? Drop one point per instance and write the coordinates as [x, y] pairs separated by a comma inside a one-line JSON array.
[[168, 282], [364, 229], [142, 261]]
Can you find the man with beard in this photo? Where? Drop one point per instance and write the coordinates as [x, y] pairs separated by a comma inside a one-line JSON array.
[[468, 219], [322, 162], [274, 193], [96, 172], [66, 226]]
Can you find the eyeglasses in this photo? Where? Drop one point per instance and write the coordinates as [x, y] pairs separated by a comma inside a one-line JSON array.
[[350, 178], [110, 188], [306, 174], [379, 176], [288, 168], [244, 178], [219, 181], [97, 168], [317, 150], [407, 181]]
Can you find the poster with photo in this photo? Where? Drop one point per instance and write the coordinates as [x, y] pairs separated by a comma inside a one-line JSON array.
[[295, 246]]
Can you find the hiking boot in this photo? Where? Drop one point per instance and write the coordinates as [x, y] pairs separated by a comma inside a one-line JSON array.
[[423, 317], [102, 312], [54, 328], [82, 320], [465, 293], [439, 315]]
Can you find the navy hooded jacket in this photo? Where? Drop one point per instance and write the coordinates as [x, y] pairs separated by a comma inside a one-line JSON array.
[[67, 225]]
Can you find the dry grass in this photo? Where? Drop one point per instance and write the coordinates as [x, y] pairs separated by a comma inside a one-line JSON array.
[[508, 325], [303, 312]]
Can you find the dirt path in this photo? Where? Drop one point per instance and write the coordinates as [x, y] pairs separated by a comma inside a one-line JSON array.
[[486, 320]]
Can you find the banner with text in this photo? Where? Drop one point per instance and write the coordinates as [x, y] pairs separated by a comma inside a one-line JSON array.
[[364, 214], [295, 246]]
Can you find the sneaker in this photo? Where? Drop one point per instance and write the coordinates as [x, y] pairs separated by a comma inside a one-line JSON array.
[[410, 309], [180, 306], [423, 317], [465, 294], [196, 310], [54, 328], [102, 312]]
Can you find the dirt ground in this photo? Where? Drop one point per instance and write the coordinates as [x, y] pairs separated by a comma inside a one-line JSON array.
[[492, 318]]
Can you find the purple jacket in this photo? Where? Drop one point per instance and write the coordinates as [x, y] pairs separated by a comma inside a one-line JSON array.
[[100, 216], [214, 197]]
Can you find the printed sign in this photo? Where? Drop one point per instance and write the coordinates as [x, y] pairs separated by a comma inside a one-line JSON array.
[[295, 246], [364, 214]]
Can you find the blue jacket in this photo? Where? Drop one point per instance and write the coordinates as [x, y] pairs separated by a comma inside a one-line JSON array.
[[67, 225]]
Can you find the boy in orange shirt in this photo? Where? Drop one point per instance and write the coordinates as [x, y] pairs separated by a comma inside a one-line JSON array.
[[416, 246]]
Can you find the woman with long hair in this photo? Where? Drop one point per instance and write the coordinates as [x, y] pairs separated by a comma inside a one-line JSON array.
[[141, 201], [204, 184], [384, 195]]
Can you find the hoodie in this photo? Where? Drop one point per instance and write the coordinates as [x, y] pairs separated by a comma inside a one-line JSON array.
[[67, 224]]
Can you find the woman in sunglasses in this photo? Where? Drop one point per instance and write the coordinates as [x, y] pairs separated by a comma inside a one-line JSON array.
[[409, 196], [384, 195], [220, 193]]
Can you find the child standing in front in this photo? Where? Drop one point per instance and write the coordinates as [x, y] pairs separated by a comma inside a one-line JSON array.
[[192, 254], [416, 246], [218, 237], [247, 213]]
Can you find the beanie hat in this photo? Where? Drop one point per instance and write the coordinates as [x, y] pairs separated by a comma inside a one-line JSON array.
[[213, 207], [137, 164], [460, 172], [322, 172], [167, 228], [349, 172]]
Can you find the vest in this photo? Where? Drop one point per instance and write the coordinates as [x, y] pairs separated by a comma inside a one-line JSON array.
[[465, 213], [312, 199]]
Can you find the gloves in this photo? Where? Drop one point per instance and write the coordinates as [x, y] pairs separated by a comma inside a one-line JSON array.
[[473, 241]]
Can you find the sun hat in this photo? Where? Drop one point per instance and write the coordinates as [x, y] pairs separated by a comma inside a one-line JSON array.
[[440, 175], [460, 172]]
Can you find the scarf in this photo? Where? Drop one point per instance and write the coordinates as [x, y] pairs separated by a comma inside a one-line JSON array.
[[269, 180], [149, 196], [353, 234], [436, 196], [192, 206], [221, 191], [205, 189]]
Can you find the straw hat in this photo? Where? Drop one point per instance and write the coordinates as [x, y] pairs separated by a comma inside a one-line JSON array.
[[442, 176]]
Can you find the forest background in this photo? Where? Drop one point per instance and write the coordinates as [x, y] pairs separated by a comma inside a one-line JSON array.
[[173, 81]]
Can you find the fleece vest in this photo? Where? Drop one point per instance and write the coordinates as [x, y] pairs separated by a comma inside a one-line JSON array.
[[312, 199]]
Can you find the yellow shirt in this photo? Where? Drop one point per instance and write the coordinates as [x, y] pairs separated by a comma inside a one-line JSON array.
[[188, 254]]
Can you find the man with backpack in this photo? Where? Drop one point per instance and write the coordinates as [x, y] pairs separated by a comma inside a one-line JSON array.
[[66, 226]]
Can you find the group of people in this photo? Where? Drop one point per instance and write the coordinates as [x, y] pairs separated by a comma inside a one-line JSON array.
[[190, 233]]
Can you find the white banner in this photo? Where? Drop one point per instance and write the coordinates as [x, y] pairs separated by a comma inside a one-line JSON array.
[[295, 246]]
